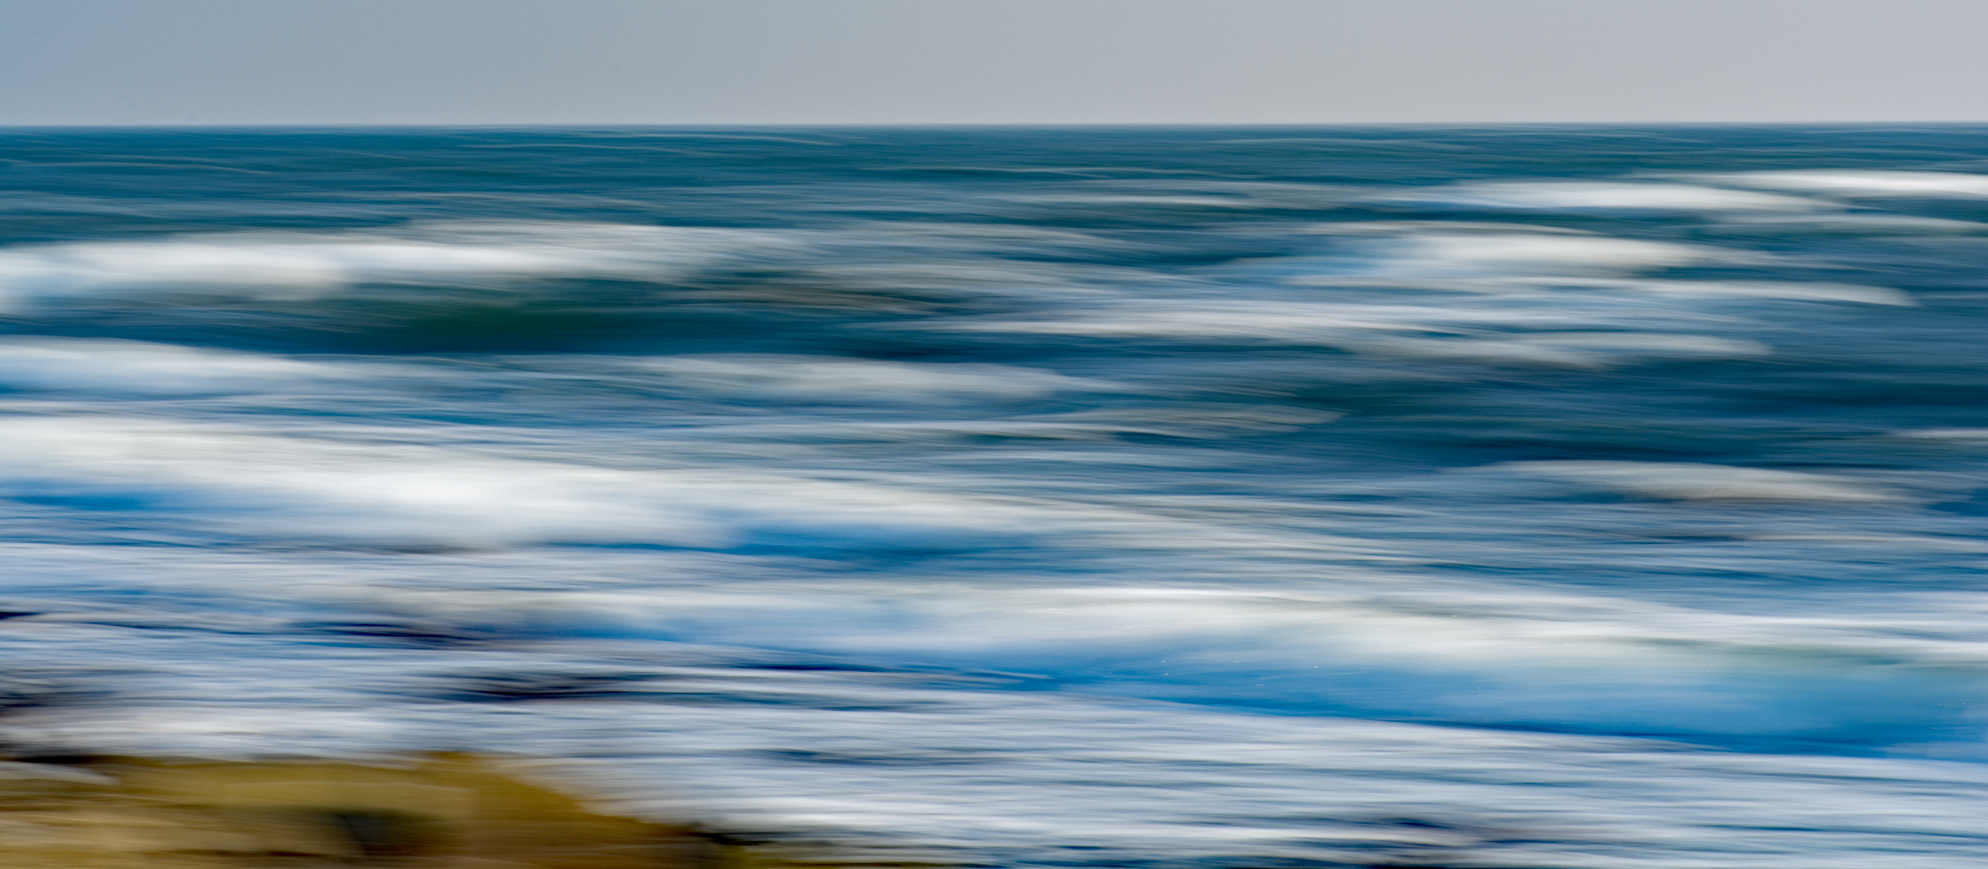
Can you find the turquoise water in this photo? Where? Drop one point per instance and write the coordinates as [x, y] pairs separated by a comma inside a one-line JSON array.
[[1224, 497]]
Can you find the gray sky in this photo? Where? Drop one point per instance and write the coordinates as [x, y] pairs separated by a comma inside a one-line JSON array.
[[988, 61]]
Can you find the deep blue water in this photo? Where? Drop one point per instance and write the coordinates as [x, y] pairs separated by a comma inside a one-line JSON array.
[[1224, 497]]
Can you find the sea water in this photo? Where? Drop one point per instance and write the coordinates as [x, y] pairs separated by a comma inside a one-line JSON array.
[[1220, 497]]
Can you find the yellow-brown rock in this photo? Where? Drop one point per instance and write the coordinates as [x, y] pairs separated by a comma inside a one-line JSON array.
[[437, 812]]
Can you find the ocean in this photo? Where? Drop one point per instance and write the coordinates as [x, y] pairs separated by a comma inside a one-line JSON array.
[[1507, 497]]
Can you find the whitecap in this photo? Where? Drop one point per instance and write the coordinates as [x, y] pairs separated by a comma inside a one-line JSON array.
[[313, 488], [1537, 284], [833, 378], [1603, 195], [1563, 349], [1862, 182], [1441, 254], [1648, 343], [1423, 227], [141, 367], [1959, 434], [1304, 322], [1689, 481], [300, 265], [1792, 290]]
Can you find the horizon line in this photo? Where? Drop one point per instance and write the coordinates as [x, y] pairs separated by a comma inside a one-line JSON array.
[[1173, 125]]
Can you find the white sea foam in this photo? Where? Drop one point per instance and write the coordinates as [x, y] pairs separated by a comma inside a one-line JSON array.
[[141, 367], [310, 488], [892, 773], [1563, 349], [1947, 434], [1425, 227], [1442, 254], [1395, 645], [850, 750], [829, 378], [1495, 656], [298, 265], [1548, 293], [1604, 195], [1796, 290], [1648, 343], [1700, 482], [1534, 285], [1862, 182]]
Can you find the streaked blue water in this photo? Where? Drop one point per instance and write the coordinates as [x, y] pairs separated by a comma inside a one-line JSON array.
[[1220, 497]]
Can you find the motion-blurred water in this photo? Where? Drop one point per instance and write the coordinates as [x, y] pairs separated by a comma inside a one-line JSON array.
[[1498, 497]]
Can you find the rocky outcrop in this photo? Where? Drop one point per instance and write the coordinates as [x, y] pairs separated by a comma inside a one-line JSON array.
[[438, 811]]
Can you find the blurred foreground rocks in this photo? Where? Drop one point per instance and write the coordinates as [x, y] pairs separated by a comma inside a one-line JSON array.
[[441, 811]]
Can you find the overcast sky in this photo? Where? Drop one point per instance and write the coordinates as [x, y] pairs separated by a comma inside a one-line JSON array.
[[989, 61]]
